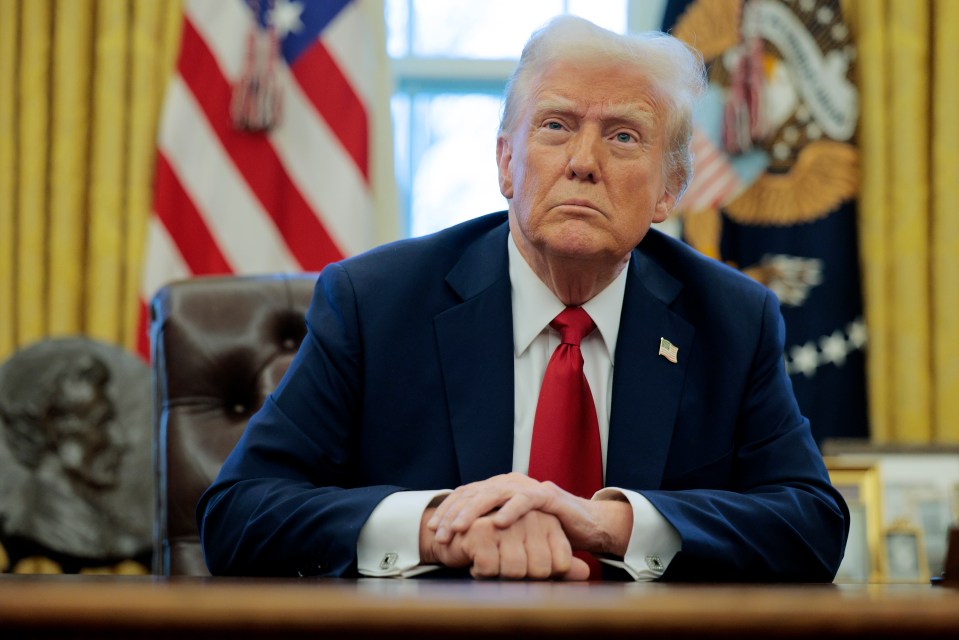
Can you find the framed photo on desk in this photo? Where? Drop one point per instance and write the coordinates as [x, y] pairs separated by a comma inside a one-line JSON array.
[[905, 553], [920, 488], [860, 486]]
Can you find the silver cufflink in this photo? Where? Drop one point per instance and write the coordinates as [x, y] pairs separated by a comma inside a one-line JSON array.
[[389, 559], [654, 563]]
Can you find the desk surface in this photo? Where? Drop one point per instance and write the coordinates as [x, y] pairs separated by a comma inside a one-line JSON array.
[[112, 607]]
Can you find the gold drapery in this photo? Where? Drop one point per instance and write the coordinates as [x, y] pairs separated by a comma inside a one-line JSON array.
[[81, 85], [909, 228]]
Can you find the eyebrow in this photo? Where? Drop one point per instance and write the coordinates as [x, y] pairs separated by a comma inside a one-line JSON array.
[[614, 113]]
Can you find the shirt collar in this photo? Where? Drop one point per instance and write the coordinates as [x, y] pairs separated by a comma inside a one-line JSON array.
[[535, 306]]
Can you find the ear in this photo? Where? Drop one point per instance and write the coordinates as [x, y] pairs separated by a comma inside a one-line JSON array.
[[504, 157], [664, 205]]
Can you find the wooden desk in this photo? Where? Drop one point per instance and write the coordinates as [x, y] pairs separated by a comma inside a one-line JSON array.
[[101, 607]]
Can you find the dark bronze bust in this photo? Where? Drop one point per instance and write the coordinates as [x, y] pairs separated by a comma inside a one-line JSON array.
[[75, 472]]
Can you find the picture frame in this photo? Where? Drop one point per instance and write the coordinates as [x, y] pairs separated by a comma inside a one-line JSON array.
[[905, 554], [859, 484], [920, 486]]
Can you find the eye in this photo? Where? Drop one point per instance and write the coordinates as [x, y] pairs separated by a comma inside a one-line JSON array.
[[554, 126], [624, 137]]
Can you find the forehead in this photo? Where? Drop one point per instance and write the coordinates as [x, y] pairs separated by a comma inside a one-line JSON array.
[[614, 89]]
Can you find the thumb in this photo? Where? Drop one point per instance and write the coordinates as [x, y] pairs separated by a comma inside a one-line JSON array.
[[578, 570]]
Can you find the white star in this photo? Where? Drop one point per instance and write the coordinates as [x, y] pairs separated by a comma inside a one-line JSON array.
[[285, 17], [781, 150], [857, 333], [805, 359], [834, 348], [839, 32]]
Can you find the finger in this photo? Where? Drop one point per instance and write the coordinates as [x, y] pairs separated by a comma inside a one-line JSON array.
[[486, 560], [565, 565], [449, 509], [539, 556], [443, 508], [519, 493], [561, 552], [512, 554], [480, 504], [579, 570], [468, 508], [472, 501], [517, 507], [452, 555], [459, 519], [480, 544]]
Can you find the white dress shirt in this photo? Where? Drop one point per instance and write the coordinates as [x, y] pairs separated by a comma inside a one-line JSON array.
[[388, 544]]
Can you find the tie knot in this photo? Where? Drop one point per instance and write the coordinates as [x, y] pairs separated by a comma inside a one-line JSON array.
[[573, 324]]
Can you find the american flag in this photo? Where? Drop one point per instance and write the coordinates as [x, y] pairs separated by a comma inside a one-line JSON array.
[[668, 350], [714, 182], [229, 198]]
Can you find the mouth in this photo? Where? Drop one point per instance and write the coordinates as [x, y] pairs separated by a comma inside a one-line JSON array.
[[580, 204], [579, 208]]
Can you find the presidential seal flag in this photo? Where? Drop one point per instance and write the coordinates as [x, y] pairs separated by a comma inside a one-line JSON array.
[[775, 179], [263, 158]]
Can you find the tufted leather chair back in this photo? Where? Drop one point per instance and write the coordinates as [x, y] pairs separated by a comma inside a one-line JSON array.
[[220, 346]]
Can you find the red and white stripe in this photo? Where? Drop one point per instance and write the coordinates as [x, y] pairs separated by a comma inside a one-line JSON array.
[[294, 199], [714, 182]]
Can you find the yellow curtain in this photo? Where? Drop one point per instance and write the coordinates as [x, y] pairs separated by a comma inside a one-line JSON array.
[[9, 21], [909, 232], [81, 85]]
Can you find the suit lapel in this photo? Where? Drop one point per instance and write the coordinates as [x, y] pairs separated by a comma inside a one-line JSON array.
[[646, 386], [475, 341]]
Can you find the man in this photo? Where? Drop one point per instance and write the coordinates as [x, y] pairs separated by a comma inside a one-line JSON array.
[[428, 366]]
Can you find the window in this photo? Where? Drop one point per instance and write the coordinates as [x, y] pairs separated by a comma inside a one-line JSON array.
[[450, 61]]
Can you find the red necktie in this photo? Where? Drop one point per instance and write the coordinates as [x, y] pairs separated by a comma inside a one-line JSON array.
[[565, 447]]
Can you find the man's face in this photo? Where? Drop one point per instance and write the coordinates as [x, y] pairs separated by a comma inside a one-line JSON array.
[[89, 440], [583, 165]]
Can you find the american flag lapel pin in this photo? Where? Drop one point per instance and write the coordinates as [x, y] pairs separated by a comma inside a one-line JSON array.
[[668, 350]]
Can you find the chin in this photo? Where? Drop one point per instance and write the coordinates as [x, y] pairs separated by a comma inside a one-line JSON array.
[[579, 248]]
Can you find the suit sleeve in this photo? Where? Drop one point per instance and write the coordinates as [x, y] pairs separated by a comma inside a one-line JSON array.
[[286, 501], [779, 519]]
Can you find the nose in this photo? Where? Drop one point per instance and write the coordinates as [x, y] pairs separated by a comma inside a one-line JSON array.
[[584, 148]]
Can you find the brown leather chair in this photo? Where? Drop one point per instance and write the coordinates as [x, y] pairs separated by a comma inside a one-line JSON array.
[[220, 346]]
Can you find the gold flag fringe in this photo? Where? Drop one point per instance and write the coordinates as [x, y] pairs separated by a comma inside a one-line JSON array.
[[710, 26], [703, 230], [826, 174]]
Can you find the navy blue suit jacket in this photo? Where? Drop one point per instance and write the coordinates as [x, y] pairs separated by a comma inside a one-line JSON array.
[[405, 381]]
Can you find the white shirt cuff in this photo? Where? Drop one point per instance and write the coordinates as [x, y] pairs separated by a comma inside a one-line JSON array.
[[653, 542], [389, 542]]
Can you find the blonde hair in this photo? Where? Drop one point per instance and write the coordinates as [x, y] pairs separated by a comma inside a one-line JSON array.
[[675, 71]]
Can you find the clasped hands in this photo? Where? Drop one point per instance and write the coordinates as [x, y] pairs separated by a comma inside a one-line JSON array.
[[512, 526]]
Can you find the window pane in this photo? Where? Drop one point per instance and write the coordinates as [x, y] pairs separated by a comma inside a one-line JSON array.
[[471, 29], [400, 112], [491, 29], [455, 176], [397, 28]]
